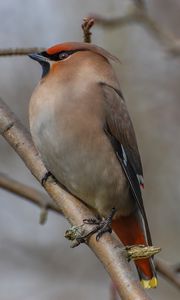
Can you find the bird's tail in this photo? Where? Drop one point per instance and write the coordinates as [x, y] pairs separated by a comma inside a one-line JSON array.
[[131, 231]]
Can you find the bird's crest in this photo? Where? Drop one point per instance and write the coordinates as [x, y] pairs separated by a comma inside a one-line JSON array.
[[75, 46]]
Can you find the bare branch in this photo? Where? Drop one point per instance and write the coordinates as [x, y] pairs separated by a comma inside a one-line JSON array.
[[39, 199], [19, 51], [138, 14], [108, 249], [28, 193], [86, 26]]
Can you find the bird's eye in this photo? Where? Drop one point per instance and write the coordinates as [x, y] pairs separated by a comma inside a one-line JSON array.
[[63, 55]]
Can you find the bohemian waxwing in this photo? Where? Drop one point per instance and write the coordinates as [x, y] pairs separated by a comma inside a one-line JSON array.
[[81, 127]]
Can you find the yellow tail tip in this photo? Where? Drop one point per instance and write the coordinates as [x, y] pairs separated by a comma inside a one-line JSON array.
[[147, 284]]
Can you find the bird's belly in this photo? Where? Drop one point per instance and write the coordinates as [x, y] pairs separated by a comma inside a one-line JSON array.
[[84, 162]]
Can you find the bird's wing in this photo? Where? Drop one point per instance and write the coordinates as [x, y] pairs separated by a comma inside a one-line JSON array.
[[121, 133]]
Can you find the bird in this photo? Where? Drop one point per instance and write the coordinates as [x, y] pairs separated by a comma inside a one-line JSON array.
[[81, 127]]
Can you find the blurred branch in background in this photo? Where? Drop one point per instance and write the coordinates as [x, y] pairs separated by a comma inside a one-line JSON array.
[[28, 193], [19, 51], [137, 13], [171, 273], [86, 27]]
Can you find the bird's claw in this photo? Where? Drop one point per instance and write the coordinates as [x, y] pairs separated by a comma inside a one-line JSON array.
[[46, 177], [102, 231], [79, 234], [102, 227], [93, 221]]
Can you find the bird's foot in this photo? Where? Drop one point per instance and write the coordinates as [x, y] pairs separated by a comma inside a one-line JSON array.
[[102, 225], [80, 234], [46, 176]]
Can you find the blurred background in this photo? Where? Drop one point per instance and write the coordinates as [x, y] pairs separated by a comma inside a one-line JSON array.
[[36, 261]]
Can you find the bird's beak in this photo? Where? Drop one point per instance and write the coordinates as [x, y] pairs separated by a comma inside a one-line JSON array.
[[44, 62], [38, 57]]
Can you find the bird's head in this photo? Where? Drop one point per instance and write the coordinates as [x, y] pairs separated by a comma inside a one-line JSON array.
[[62, 53]]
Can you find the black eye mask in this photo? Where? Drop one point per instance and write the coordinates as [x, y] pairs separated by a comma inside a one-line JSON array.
[[60, 55]]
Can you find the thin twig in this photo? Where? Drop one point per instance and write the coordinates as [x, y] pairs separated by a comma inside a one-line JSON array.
[[108, 249], [138, 14], [19, 51], [86, 26]]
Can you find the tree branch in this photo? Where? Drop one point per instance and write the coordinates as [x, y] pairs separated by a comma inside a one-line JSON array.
[[166, 270], [108, 249], [138, 14], [28, 193], [19, 51]]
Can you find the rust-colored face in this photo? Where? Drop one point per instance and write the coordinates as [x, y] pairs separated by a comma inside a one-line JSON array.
[[57, 53]]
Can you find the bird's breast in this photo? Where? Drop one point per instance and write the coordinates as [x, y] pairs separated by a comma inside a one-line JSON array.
[[70, 138]]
